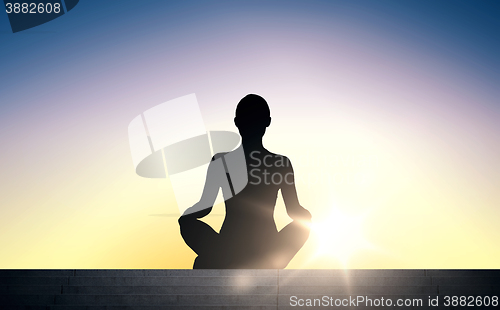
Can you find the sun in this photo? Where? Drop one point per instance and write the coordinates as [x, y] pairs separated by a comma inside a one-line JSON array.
[[340, 235]]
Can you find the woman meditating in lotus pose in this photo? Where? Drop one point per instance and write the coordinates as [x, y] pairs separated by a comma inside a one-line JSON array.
[[250, 178]]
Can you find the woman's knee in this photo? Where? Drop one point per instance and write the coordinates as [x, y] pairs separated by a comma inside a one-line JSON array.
[[186, 219]]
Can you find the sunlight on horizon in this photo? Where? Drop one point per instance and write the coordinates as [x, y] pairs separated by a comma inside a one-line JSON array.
[[340, 235]]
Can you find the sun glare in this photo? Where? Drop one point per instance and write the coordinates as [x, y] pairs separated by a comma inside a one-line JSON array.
[[340, 235]]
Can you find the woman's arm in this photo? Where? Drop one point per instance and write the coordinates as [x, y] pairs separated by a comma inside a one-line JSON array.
[[212, 184], [293, 208]]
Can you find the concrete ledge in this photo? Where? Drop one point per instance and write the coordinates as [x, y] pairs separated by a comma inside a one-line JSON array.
[[354, 281], [358, 290], [207, 290], [229, 289], [174, 281], [172, 300]]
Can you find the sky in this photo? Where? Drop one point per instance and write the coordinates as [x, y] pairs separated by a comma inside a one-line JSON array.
[[387, 109]]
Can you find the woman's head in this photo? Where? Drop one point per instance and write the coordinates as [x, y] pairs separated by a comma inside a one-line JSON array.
[[252, 116]]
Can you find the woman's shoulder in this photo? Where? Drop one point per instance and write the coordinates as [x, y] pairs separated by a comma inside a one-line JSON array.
[[279, 157], [276, 160]]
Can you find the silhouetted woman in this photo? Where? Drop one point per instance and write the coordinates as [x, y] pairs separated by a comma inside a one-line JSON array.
[[248, 237]]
